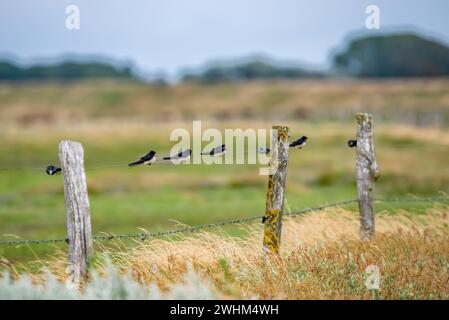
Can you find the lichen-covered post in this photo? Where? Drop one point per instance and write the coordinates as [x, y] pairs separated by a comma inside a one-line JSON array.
[[276, 189], [79, 230], [367, 172]]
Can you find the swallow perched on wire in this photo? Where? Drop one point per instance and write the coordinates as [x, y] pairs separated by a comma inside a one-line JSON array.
[[264, 150], [182, 156], [352, 143], [301, 142], [216, 151], [147, 159], [52, 170]]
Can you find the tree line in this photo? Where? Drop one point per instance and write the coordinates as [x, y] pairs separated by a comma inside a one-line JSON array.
[[381, 56]]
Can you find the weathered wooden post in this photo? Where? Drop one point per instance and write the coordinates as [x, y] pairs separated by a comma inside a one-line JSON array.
[[79, 230], [276, 189], [367, 172]]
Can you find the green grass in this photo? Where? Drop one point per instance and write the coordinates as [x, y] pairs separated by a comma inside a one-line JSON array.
[[118, 121], [124, 199]]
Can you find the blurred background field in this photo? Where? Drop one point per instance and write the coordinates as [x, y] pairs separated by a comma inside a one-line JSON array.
[[122, 82], [412, 150], [421, 102]]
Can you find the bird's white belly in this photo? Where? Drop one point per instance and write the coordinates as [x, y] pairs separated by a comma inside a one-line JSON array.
[[180, 160], [153, 160], [185, 159]]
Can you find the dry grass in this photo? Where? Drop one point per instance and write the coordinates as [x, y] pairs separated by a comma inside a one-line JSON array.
[[412, 161], [410, 101], [321, 255], [321, 258]]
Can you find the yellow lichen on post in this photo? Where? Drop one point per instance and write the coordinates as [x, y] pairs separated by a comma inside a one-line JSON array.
[[276, 189]]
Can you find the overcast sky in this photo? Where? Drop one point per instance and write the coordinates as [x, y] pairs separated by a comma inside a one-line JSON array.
[[172, 34]]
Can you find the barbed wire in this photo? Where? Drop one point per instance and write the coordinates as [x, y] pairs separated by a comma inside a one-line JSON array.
[[150, 235], [321, 208], [147, 235], [29, 242]]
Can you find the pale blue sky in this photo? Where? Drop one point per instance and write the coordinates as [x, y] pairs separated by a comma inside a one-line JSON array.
[[172, 34]]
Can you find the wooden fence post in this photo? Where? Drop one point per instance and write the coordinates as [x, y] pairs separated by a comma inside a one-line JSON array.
[[367, 172], [79, 230], [276, 189]]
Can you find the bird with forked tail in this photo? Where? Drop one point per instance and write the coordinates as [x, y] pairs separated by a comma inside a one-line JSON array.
[[52, 170], [301, 142], [352, 143], [220, 150], [182, 156], [147, 159], [264, 150]]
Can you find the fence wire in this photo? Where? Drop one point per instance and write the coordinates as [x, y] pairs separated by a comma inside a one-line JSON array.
[[185, 230], [95, 166]]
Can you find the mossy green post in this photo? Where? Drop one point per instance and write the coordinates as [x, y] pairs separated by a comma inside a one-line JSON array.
[[276, 189]]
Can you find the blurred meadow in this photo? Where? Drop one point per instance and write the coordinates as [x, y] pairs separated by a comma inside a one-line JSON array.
[[120, 84], [117, 121]]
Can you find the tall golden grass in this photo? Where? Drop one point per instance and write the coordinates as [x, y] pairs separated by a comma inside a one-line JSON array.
[[321, 258]]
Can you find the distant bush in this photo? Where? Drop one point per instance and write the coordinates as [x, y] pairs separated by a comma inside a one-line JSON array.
[[62, 71], [404, 55], [251, 70]]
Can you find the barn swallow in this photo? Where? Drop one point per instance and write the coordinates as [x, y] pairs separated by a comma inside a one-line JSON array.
[[352, 143], [182, 156], [264, 150], [147, 159], [216, 151], [301, 142], [52, 170]]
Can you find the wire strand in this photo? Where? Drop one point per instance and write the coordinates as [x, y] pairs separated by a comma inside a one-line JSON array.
[[187, 229]]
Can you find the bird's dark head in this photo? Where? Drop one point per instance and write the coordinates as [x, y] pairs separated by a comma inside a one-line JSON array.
[[152, 152], [304, 138], [52, 170], [223, 146]]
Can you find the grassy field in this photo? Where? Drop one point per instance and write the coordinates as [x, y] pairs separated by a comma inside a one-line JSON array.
[[118, 122], [321, 258], [417, 102]]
